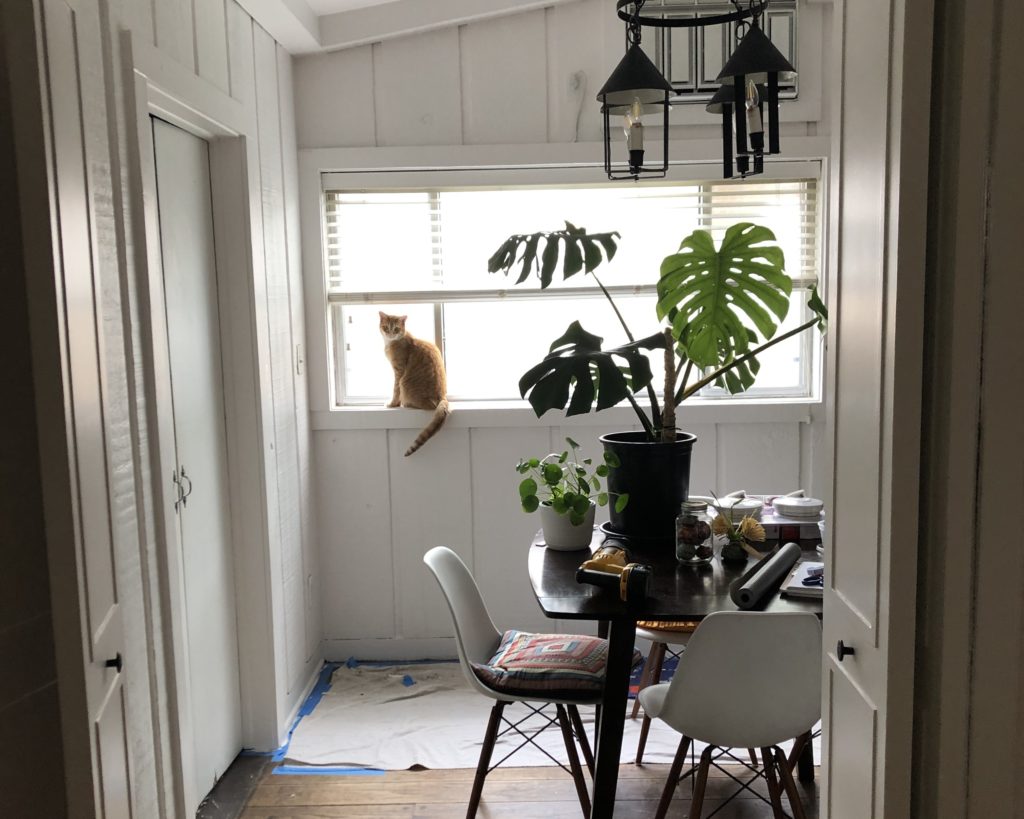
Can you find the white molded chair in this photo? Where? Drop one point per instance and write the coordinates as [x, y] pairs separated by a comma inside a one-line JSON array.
[[477, 639], [746, 680]]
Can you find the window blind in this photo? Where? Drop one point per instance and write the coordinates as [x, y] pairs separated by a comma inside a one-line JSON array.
[[428, 242]]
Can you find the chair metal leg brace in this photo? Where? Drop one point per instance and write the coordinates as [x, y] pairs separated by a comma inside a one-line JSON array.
[[565, 718], [774, 762]]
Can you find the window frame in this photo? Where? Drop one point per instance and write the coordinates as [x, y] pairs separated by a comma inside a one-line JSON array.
[[455, 177]]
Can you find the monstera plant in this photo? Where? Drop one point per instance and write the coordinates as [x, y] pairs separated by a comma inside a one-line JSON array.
[[718, 309]]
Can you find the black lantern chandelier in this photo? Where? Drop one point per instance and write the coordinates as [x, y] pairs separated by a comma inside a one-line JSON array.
[[749, 84]]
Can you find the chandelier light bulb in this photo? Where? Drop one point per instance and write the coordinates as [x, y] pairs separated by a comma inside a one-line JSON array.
[[755, 125], [633, 127]]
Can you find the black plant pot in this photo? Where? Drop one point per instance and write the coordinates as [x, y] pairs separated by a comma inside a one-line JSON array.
[[657, 478]]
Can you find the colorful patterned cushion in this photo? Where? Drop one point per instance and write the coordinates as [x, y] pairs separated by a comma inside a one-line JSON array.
[[559, 666]]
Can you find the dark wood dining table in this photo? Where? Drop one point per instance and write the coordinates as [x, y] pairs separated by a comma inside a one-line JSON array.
[[677, 592]]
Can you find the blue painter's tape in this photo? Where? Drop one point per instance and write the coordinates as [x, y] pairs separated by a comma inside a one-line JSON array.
[[351, 662], [407, 681], [325, 770]]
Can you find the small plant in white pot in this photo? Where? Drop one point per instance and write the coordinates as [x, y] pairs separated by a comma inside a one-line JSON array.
[[567, 490]]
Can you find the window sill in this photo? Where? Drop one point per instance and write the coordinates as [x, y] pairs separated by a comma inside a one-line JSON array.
[[520, 414]]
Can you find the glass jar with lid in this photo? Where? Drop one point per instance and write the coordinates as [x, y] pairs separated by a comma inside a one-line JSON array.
[[694, 540]]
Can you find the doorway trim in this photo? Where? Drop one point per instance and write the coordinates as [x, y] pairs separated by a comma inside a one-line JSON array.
[[155, 86]]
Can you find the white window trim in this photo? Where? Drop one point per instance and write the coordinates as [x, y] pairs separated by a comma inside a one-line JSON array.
[[398, 167]]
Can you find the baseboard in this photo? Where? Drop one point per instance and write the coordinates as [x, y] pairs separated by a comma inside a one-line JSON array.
[[293, 712], [435, 648]]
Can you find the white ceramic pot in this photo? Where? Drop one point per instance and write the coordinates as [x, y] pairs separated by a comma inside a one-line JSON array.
[[561, 535]]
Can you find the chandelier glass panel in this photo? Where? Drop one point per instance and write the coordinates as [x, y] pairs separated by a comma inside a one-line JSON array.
[[637, 95]]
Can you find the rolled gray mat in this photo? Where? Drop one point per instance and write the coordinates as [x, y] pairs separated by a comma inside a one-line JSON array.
[[764, 577]]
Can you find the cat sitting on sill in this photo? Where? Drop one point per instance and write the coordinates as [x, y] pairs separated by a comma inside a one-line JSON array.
[[419, 375]]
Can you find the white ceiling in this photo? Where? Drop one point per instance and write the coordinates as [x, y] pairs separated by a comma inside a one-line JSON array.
[[304, 26], [321, 7]]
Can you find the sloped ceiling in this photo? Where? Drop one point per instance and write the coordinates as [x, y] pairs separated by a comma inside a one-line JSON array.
[[304, 26]]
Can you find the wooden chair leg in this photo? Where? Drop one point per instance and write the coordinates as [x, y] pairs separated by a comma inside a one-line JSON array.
[[645, 728], [768, 758], [798, 747], [574, 760], [697, 805], [673, 778], [645, 680], [786, 775], [581, 737], [485, 758]]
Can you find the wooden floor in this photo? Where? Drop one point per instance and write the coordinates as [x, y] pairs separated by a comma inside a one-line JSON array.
[[510, 793]]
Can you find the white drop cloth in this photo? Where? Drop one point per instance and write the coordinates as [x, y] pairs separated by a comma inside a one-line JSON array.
[[369, 718]]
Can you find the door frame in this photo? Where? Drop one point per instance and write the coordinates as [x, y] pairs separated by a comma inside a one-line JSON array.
[[156, 86]]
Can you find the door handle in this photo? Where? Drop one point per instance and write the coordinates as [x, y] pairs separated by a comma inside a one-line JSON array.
[[114, 663], [185, 493], [843, 650], [180, 499]]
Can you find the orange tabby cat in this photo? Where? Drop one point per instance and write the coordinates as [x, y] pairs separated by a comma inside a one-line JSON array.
[[419, 375]]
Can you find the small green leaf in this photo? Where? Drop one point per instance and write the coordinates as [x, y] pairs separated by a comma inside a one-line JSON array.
[[563, 457], [602, 499], [527, 487], [581, 504], [575, 518], [572, 443], [552, 474], [530, 503], [602, 470], [559, 505], [612, 459], [819, 308], [621, 501]]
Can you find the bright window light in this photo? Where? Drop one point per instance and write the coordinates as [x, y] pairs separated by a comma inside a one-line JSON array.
[[423, 253]]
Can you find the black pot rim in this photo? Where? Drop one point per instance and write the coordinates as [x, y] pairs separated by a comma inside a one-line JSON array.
[[638, 438]]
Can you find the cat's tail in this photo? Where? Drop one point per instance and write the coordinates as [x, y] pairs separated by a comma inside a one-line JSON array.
[[441, 412]]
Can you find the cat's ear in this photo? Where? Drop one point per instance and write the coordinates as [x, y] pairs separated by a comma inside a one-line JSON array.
[[402, 319], [382, 315]]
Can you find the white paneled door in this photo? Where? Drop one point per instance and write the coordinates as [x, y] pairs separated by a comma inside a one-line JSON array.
[[201, 471], [879, 195]]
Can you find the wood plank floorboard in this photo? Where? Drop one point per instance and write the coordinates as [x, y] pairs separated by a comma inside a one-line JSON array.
[[510, 793]]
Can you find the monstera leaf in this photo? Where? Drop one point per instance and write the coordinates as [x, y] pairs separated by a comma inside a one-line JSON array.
[[540, 252], [576, 364], [712, 296]]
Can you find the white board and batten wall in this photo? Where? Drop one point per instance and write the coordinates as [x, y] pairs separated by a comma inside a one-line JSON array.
[[214, 57], [519, 89], [209, 62]]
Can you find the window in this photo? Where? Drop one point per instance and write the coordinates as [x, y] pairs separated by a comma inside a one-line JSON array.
[[423, 253]]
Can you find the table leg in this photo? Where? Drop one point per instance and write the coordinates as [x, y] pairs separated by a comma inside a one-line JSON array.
[[622, 635], [805, 762]]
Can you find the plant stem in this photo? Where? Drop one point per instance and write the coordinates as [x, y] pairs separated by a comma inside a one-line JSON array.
[[651, 395], [648, 427], [678, 397], [708, 379]]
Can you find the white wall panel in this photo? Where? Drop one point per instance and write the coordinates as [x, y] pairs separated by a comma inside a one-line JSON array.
[[299, 372], [704, 455], [577, 68], [431, 505], [416, 85], [494, 72], [502, 531], [211, 42], [356, 564], [242, 82], [334, 101], [290, 500], [174, 32], [759, 458], [378, 512]]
